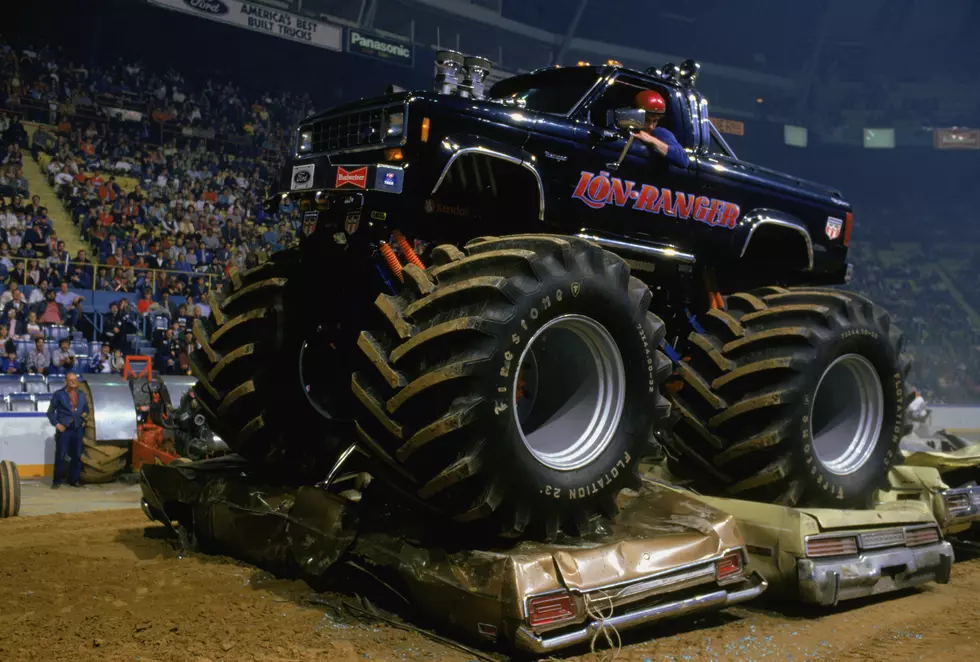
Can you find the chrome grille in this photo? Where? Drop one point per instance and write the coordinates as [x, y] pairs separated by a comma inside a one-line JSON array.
[[364, 128], [959, 504]]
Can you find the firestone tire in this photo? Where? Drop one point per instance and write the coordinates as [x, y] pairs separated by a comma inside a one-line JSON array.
[[791, 396], [102, 461], [455, 388], [9, 489], [250, 387]]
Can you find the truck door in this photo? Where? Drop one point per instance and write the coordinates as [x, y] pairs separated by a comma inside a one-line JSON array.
[[645, 197]]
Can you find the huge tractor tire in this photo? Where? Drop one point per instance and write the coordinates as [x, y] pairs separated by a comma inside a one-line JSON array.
[[515, 384], [9, 489], [791, 396], [102, 461], [258, 349]]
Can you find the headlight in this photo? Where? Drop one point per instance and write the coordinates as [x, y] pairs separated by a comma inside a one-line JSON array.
[[396, 125], [305, 142]]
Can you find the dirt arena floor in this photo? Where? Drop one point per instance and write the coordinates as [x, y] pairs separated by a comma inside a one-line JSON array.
[[107, 585]]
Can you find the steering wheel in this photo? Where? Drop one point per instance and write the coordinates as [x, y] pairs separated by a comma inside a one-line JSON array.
[[151, 387]]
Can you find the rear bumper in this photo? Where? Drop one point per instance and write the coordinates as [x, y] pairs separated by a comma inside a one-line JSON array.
[[827, 582], [535, 643]]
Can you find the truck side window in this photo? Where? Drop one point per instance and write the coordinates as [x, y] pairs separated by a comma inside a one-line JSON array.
[[621, 94], [716, 146]]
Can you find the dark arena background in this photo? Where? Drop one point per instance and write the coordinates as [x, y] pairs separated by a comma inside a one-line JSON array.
[[592, 373]]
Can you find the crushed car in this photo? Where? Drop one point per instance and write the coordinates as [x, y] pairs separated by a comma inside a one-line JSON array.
[[667, 555], [955, 508], [825, 556]]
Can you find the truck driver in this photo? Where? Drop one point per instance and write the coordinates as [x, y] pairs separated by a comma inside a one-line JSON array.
[[660, 140]]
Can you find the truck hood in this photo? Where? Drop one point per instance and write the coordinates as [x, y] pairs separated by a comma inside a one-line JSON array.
[[487, 109]]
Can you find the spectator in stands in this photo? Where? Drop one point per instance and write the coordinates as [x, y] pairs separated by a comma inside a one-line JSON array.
[[18, 275], [67, 412], [65, 297], [5, 338], [118, 362], [112, 325], [54, 312], [143, 305], [14, 323], [36, 301], [102, 363], [17, 304], [8, 294], [63, 358], [9, 365], [31, 327], [38, 358]]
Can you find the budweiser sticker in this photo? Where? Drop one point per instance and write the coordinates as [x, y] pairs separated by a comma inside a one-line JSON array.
[[833, 227], [356, 177]]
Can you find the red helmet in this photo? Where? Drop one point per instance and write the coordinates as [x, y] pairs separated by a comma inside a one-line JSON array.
[[651, 102]]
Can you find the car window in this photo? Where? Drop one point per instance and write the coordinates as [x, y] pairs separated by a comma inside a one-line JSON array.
[[621, 93], [555, 91]]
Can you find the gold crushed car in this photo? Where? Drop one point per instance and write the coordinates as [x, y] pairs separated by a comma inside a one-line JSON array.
[[824, 556], [666, 555], [956, 509]]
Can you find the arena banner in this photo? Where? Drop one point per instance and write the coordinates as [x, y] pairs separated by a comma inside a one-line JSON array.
[[371, 44], [731, 127], [957, 138], [260, 18]]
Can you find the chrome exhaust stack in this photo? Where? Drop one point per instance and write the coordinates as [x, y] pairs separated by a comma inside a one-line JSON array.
[[476, 69], [448, 66]]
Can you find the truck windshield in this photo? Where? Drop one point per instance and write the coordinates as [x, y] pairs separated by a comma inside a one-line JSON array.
[[554, 91]]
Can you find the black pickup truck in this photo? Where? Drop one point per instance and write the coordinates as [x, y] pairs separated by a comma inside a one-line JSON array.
[[506, 301]]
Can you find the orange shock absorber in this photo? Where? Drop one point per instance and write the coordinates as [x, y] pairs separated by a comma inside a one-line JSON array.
[[407, 250], [392, 260]]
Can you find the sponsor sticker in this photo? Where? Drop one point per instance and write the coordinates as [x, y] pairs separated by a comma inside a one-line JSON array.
[[309, 222], [302, 177], [600, 190], [352, 222], [833, 227], [356, 177]]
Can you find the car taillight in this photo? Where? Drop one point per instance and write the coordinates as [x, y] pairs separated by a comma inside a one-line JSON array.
[[550, 609], [848, 222], [924, 536], [831, 547], [728, 566], [958, 504]]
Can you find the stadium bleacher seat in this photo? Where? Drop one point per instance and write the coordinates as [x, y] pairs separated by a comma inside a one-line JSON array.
[[160, 323], [55, 382], [42, 400], [56, 332], [23, 347], [11, 384], [94, 348], [79, 347], [77, 335], [35, 384], [20, 402], [82, 363]]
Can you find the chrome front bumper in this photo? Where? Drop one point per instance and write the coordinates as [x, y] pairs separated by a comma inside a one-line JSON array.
[[828, 581], [527, 640]]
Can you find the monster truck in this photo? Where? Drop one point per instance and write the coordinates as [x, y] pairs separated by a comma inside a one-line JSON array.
[[488, 287]]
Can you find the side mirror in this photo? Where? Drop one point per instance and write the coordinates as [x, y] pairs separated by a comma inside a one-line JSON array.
[[630, 119], [627, 120]]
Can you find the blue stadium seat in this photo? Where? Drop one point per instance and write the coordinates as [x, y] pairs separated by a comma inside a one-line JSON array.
[[82, 364], [55, 382], [79, 346], [11, 384], [77, 335], [56, 332], [50, 345], [136, 366], [20, 402], [160, 323], [35, 384], [42, 401], [23, 347], [94, 348]]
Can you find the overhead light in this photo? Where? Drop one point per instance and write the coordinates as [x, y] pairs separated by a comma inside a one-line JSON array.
[[759, 100]]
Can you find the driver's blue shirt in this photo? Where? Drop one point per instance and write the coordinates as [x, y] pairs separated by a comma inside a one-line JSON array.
[[676, 155]]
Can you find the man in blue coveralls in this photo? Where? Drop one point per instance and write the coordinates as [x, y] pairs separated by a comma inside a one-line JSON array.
[[65, 413], [660, 140]]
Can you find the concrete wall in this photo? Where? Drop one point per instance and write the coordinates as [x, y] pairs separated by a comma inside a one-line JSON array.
[[27, 438]]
